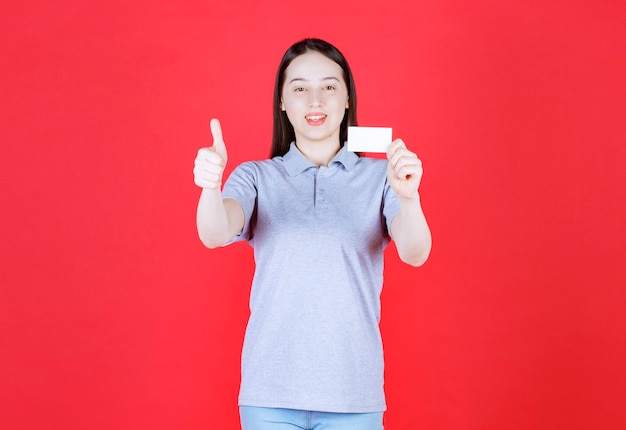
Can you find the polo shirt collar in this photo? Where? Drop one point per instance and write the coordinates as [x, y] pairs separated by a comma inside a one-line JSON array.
[[295, 162]]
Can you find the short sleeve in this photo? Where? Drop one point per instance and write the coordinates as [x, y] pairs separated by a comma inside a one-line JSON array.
[[241, 186], [391, 205]]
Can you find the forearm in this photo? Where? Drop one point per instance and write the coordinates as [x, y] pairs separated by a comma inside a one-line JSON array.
[[411, 233], [212, 219]]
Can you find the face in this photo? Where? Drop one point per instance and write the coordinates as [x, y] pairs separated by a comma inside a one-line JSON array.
[[315, 98]]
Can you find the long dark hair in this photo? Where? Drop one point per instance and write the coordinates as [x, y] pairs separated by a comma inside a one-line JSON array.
[[283, 133]]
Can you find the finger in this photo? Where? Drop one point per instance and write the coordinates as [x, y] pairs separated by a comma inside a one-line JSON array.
[[394, 147], [205, 179], [403, 156], [216, 131], [404, 159], [205, 169], [408, 172], [218, 140], [204, 154], [207, 176], [208, 169], [208, 155], [398, 151]]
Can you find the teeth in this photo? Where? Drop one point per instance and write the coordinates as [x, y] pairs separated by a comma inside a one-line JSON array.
[[315, 117]]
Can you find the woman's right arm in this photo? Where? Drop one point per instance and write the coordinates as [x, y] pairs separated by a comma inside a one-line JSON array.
[[218, 220]]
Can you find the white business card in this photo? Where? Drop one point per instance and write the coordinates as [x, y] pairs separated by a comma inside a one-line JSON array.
[[369, 139]]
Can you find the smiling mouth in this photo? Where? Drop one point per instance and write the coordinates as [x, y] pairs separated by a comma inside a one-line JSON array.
[[315, 118]]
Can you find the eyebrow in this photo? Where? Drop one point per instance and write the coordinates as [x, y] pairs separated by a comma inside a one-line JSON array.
[[327, 78]]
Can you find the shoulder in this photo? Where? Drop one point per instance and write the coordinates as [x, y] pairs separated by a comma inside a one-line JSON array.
[[372, 166], [261, 165], [258, 168]]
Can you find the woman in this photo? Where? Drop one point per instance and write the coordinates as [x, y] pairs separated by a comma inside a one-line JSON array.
[[319, 218]]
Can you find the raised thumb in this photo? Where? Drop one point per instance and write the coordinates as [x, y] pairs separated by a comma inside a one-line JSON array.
[[218, 139]]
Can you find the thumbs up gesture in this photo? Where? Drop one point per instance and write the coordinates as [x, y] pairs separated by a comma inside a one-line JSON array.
[[210, 162]]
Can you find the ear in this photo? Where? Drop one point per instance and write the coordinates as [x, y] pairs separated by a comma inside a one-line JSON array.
[[347, 103], [282, 106]]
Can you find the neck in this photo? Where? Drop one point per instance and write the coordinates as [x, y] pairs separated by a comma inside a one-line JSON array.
[[319, 153]]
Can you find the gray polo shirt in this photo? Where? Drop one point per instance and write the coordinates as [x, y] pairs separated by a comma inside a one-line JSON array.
[[312, 340]]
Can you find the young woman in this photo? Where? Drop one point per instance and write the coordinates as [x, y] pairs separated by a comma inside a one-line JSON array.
[[319, 218]]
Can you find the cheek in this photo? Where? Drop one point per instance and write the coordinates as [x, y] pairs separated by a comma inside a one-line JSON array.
[[342, 100], [293, 114], [291, 103], [340, 103], [292, 111]]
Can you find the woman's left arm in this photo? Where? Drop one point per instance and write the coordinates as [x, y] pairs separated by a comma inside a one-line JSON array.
[[409, 228]]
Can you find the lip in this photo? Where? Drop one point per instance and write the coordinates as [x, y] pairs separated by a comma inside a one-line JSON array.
[[315, 118]]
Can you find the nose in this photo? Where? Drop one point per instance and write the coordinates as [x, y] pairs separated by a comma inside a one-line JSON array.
[[315, 98]]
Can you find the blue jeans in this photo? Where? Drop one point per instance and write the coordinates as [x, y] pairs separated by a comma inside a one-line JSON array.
[[254, 418]]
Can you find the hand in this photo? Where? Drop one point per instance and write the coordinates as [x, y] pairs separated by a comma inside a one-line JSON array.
[[210, 162], [404, 170]]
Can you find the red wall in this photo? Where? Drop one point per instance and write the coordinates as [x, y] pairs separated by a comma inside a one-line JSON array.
[[113, 315]]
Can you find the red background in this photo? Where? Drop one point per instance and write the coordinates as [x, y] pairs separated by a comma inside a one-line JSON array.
[[113, 315]]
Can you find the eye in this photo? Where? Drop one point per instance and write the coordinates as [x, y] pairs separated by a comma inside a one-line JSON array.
[[298, 89], [329, 87]]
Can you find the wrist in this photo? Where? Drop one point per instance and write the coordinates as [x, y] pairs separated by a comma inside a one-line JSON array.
[[410, 200]]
